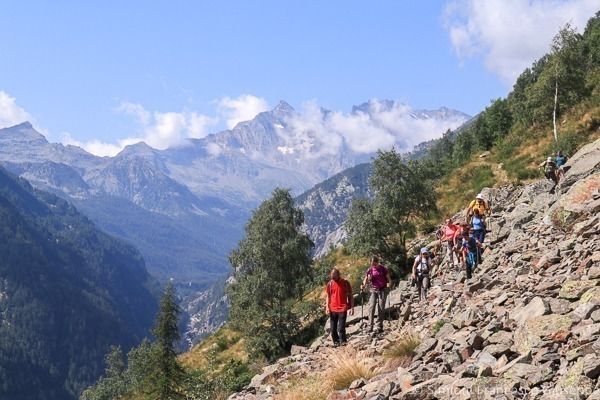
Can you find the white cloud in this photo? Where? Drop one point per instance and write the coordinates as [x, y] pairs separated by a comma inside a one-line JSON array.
[[511, 34], [10, 113], [97, 147], [213, 149], [143, 116], [198, 125], [362, 132], [158, 130], [242, 108]]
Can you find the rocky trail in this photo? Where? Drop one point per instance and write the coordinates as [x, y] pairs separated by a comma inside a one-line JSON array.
[[525, 326]]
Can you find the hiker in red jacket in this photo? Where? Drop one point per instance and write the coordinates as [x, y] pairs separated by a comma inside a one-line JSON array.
[[339, 301]]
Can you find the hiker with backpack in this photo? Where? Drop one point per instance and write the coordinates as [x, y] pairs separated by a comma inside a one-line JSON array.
[[550, 169], [478, 224], [447, 239], [560, 159], [479, 204], [471, 248], [339, 301], [378, 277], [459, 250], [420, 272]]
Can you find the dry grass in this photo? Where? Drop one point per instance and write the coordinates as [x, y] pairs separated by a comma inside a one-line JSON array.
[[344, 367], [401, 352], [313, 387], [229, 343]]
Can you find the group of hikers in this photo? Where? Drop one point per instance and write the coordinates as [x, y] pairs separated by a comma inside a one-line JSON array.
[[463, 243], [553, 166]]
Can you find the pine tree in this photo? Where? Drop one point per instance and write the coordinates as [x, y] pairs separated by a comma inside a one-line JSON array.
[[168, 373]]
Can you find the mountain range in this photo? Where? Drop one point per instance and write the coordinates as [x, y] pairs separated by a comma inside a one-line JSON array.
[[184, 207]]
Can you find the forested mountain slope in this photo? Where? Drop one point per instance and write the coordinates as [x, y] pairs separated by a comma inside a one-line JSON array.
[[67, 292]]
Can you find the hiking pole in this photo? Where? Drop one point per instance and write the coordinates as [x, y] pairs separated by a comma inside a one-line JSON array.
[[362, 308]]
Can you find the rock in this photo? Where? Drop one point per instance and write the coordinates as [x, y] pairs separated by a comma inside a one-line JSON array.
[[591, 366], [573, 204], [485, 358], [425, 346], [493, 388], [269, 372], [583, 163], [534, 375], [446, 330], [586, 333], [467, 318], [574, 289], [585, 310], [535, 308], [559, 306], [546, 327], [297, 350], [575, 385]]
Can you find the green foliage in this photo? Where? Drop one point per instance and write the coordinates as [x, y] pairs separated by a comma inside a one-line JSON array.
[[272, 271], [438, 325], [464, 146], [403, 192], [167, 372], [492, 125], [216, 380], [478, 177], [590, 45], [153, 371]]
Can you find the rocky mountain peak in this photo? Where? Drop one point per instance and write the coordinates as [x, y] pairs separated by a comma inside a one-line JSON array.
[[283, 109], [23, 132]]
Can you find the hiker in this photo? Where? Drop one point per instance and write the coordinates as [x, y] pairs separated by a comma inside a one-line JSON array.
[[471, 248], [462, 233], [478, 204], [560, 159], [560, 162], [378, 277], [479, 225], [339, 301], [549, 168], [447, 238], [420, 272]]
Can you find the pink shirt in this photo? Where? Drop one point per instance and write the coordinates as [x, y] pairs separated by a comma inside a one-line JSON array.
[[449, 231], [378, 276]]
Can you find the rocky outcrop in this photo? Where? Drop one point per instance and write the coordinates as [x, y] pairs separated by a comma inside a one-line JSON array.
[[527, 325]]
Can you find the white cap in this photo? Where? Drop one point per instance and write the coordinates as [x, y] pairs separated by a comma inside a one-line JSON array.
[[424, 250], [549, 159], [479, 196]]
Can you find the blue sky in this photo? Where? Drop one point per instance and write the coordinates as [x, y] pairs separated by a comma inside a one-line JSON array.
[[105, 74]]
